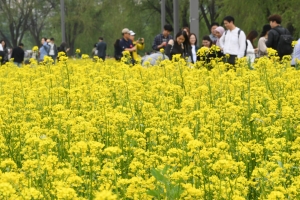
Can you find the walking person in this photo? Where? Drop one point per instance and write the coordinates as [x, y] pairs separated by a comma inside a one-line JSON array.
[[53, 49], [262, 48], [18, 55], [161, 40], [101, 49], [251, 49], [233, 41], [279, 38]]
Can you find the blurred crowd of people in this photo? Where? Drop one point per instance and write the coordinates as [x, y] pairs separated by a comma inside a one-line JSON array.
[[230, 40]]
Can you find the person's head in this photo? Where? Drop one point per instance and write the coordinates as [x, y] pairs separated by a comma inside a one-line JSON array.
[[167, 30], [252, 36], [100, 38], [125, 33], [229, 22], [2, 42], [213, 27], [206, 41], [275, 20], [21, 45], [193, 39], [187, 30], [95, 45], [116, 44], [132, 35], [63, 45], [43, 40], [219, 31], [182, 38], [266, 29]]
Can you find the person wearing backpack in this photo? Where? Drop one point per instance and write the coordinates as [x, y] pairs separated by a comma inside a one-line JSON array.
[[44, 49], [233, 41], [279, 38]]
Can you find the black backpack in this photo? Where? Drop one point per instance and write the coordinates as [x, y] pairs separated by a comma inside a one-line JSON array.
[[245, 53], [284, 45]]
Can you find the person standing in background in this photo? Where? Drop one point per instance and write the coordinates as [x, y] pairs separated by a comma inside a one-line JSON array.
[[4, 52], [18, 55], [101, 49], [194, 47], [218, 33], [212, 35], [161, 40], [53, 49], [44, 49], [262, 48], [233, 41], [139, 44]]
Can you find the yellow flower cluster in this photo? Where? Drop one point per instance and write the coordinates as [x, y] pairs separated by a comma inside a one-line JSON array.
[[294, 43], [81, 129], [35, 48]]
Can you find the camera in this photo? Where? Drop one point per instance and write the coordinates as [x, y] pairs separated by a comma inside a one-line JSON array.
[[140, 39]]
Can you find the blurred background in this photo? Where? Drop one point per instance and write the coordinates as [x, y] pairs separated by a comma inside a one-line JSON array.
[[27, 21]]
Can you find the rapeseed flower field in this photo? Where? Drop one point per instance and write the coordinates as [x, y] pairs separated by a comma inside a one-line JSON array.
[[87, 129]]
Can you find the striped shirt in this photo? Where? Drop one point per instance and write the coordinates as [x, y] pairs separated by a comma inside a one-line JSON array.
[[296, 53]]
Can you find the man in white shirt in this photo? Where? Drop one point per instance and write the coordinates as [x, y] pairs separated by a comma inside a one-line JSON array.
[[233, 41]]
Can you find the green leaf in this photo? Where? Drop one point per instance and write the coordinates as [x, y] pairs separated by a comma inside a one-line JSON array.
[[158, 176]]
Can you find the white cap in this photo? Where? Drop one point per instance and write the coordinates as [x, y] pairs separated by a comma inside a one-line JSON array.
[[131, 33]]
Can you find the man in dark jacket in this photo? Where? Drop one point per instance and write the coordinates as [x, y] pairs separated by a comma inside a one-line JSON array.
[[18, 55], [101, 48], [273, 35]]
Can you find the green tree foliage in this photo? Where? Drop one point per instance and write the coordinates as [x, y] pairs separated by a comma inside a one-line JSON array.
[[14, 16], [252, 15]]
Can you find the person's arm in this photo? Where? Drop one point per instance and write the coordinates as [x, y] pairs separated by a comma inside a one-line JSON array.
[[242, 44], [140, 46], [269, 42], [130, 49], [262, 45], [156, 46], [222, 40], [168, 49]]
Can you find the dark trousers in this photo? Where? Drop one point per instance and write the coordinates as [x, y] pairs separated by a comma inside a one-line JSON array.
[[102, 57], [230, 60]]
